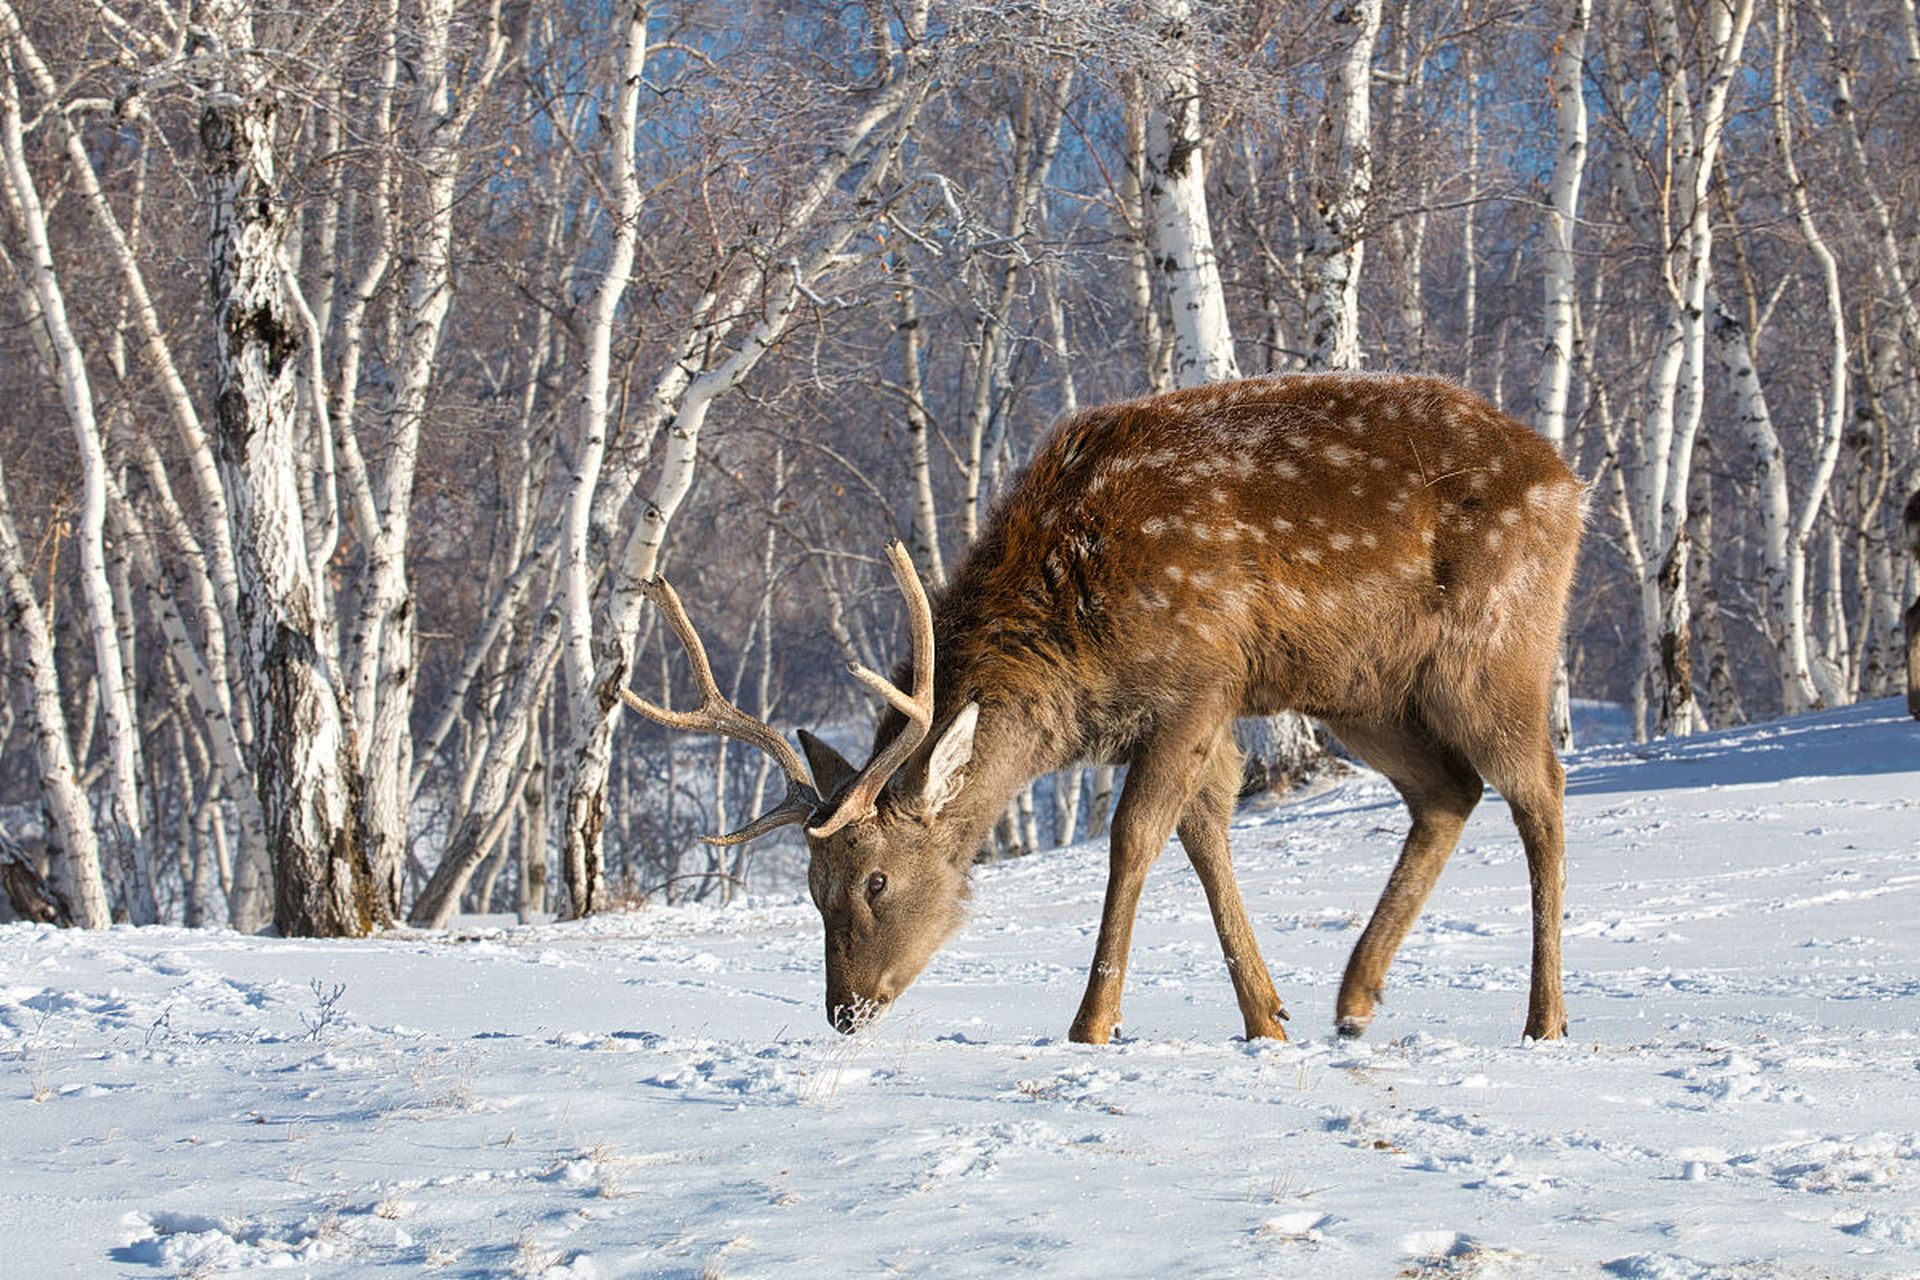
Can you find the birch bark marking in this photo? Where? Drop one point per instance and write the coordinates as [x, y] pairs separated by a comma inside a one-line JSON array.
[[926, 516], [76, 393], [304, 767], [1340, 202], [1176, 201]]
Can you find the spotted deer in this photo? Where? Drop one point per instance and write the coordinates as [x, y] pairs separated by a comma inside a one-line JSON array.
[[1389, 554]]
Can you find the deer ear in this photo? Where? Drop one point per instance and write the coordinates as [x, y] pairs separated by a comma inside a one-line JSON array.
[[830, 768], [949, 758]]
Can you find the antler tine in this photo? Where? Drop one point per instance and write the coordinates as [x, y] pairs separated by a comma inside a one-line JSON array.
[[717, 715], [860, 799]]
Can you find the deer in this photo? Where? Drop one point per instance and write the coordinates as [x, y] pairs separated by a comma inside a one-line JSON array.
[[1389, 554]]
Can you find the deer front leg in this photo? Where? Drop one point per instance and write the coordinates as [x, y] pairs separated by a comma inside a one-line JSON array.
[[1203, 833], [1160, 777], [1129, 857]]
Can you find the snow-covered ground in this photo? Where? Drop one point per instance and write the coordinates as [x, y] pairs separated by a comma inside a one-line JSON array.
[[659, 1094]]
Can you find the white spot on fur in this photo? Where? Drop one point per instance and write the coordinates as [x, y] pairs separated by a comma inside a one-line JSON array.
[[1369, 540], [1340, 541], [1310, 555], [1285, 470], [1153, 526], [1338, 455], [1493, 539]]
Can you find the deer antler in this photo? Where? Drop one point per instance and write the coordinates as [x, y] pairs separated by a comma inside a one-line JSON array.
[[859, 801], [717, 715]]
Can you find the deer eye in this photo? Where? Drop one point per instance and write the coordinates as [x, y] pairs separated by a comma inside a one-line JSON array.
[[876, 884]]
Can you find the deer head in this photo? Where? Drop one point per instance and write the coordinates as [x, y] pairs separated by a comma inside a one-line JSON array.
[[888, 865]]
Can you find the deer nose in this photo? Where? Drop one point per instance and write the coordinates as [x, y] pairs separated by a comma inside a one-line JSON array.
[[855, 1012]]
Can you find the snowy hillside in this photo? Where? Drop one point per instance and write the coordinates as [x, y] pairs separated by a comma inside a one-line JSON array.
[[659, 1094]]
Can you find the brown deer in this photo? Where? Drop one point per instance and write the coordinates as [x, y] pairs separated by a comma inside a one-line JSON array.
[[1389, 554]]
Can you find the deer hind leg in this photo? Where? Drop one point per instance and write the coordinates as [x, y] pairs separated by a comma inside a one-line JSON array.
[[1528, 775], [1203, 834], [1440, 788], [1160, 778], [1504, 731]]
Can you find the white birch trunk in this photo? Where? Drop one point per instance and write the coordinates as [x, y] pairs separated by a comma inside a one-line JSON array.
[[75, 848], [1178, 229], [216, 535], [304, 767], [925, 539], [1156, 350], [586, 815], [1559, 273], [873, 139], [76, 393], [1342, 199], [1676, 387], [1562, 216], [383, 660]]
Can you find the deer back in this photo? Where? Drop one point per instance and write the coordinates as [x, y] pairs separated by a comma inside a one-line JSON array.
[[1316, 542]]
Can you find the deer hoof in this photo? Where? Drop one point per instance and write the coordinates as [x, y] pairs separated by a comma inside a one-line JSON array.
[[1547, 1028], [1093, 1031], [1353, 1026]]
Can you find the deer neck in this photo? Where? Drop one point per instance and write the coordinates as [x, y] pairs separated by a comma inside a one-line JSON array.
[[1010, 750]]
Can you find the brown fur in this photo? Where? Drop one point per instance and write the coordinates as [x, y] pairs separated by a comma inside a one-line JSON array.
[[1389, 554]]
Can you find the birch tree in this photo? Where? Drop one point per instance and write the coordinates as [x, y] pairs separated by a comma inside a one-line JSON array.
[[304, 760], [1178, 229], [1551, 394], [1675, 391], [69, 368], [73, 846], [1343, 194], [862, 156], [384, 665]]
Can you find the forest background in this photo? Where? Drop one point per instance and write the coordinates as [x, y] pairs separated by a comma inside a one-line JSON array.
[[362, 360]]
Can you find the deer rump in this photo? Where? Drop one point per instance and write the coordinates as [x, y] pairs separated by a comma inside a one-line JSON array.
[[1389, 554]]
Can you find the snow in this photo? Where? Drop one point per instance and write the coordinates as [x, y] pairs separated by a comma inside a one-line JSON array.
[[659, 1093]]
